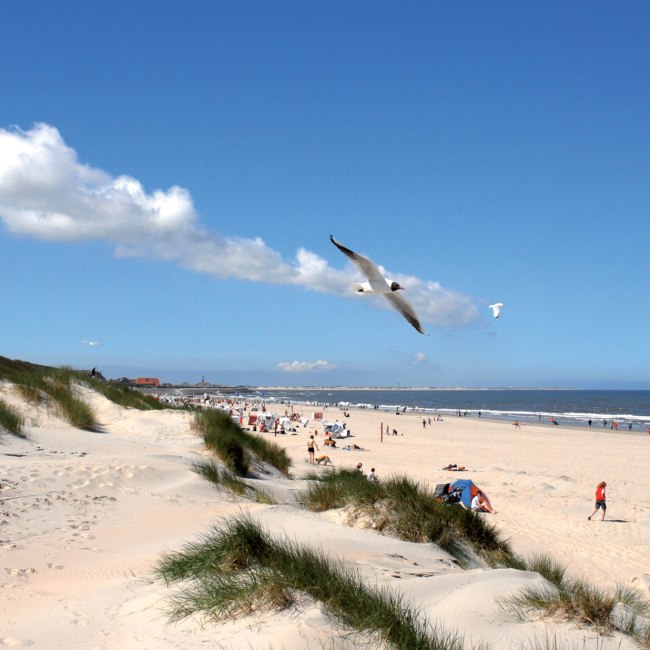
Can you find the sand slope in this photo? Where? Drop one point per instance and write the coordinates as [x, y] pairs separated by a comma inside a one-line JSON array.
[[84, 518]]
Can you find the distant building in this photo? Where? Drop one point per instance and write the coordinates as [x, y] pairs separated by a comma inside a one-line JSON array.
[[147, 381]]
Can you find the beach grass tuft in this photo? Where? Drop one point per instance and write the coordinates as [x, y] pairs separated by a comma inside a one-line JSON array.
[[220, 476], [406, 509], [575, 600], [553, 642], [30, 393], [240, 569], [234, 446], [11, 420], [75, 410]]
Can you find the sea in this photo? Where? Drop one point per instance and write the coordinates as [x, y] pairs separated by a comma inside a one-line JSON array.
[[623, 409]]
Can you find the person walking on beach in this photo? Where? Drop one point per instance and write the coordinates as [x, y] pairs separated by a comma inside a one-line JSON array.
[[311, 443], [600, 501]]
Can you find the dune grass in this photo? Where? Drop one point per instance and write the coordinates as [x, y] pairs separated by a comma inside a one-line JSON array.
[[11, 420], [123, 395], [31, 394], [220, 476], [239, 569], [55, 387], [552, 642], [75, 410], [234, 446], [576, 600], [405, 509]]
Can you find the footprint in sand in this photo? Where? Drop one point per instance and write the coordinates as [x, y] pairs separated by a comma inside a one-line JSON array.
[[11, 642], [20, 572]]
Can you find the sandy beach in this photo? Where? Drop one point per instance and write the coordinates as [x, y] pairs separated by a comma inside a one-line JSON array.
[[86, 516]]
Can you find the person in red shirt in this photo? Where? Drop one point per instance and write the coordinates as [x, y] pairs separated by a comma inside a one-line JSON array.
[[600, 500]]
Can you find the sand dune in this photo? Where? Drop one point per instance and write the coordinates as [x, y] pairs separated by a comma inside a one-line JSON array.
[[86, 516]]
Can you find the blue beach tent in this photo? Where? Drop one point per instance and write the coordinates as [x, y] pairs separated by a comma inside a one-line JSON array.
[[469, 490]]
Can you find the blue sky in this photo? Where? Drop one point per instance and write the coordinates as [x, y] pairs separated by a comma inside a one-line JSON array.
[[170, 173]]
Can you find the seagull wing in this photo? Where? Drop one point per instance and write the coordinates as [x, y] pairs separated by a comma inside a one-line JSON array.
[[368, 267], [405, 308], [496, 309]]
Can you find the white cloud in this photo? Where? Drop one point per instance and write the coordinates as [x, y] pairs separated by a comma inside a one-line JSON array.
[[419, 358], [305, 366], [48, 194]]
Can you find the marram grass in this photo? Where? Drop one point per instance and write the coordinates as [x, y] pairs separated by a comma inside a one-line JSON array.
[[220, 476], [11, 420], [239, 569], [234, 446], [575, 600], [405, 509], [55, 388]]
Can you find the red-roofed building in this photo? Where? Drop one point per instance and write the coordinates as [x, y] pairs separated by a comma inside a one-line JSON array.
[[147, 381]]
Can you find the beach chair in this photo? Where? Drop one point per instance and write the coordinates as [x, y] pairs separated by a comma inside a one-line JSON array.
[[442, 489]]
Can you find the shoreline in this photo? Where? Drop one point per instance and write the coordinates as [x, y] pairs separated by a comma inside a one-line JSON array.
[[413, 388]]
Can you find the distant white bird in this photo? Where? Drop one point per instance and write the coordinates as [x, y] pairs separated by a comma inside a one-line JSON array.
[[496, 308], [377, 283], [91, 343]]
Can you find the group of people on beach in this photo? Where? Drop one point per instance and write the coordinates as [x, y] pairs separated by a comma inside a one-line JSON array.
[[478, 504]]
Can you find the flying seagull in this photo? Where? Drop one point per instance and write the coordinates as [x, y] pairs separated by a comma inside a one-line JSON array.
[[91, 343], [496, 308], [377, 283]]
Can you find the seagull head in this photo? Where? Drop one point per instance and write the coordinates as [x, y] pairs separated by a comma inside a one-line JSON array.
[[395, 286]]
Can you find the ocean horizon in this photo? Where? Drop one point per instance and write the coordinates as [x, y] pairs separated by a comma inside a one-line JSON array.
[[629, 409]]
